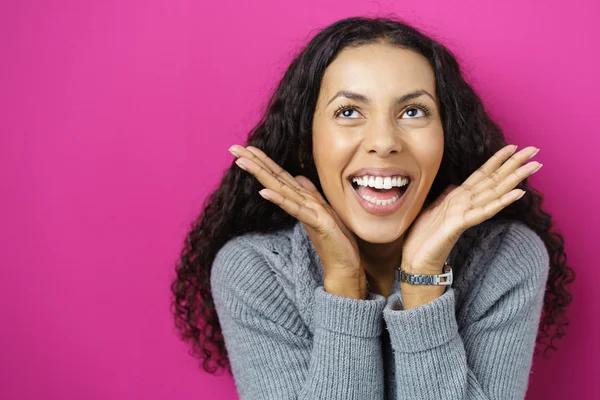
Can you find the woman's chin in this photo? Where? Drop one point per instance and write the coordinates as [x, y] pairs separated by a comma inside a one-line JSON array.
[[374, 233]]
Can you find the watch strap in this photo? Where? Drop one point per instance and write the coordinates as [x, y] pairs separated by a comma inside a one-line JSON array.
[[445, 278]]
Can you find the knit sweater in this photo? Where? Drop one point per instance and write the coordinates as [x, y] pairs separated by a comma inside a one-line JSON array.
[[287, 338]]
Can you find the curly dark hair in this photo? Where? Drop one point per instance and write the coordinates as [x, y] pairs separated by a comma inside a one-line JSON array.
[[284, 133]]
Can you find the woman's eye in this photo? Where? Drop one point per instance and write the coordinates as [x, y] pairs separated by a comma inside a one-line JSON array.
[[413, 112], [346, 113]]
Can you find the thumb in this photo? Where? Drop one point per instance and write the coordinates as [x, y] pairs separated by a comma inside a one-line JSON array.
[[443, 195]]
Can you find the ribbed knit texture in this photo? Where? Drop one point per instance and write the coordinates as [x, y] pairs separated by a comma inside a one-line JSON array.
[[287, 338]]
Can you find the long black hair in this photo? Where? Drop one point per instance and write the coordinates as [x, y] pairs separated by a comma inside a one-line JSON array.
[[285, 134]]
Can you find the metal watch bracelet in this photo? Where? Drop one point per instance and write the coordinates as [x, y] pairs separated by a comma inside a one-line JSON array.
[[445, 278]]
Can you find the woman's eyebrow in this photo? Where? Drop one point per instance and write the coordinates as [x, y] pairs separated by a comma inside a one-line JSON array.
[[361, 98]]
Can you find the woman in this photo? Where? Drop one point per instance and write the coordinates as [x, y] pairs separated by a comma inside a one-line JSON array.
[[377, 164]]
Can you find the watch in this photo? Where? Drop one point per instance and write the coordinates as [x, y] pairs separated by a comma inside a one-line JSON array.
[[445, 278]]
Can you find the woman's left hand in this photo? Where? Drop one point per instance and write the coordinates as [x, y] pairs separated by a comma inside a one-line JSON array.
[[433, 234]]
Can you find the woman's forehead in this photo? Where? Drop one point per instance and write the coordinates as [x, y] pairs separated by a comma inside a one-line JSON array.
[[378, 70]]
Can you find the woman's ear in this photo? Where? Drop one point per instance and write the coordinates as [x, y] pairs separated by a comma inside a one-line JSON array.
[[300, 158]]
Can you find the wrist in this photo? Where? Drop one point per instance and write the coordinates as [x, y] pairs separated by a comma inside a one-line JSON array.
[[351, 288], [422, 270], [416, 295]]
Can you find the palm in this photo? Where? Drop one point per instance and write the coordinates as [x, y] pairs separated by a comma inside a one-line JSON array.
[[488, 190], [436, 229], [345, 253], [298, 196]]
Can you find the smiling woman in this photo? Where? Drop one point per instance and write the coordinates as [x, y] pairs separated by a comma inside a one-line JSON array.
[[390, 124], [377, 237]]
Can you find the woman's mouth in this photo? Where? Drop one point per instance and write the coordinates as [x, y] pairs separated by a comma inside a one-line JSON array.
[[380, 195]]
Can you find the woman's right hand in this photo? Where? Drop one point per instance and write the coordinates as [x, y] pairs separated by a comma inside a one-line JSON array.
[[335, 245]]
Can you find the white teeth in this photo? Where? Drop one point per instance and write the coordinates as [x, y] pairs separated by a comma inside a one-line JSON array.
[[380, 202], [379, 182], [387, 183]]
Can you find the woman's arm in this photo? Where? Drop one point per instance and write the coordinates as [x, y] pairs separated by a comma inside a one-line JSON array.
[[272, 353], [491, 356]]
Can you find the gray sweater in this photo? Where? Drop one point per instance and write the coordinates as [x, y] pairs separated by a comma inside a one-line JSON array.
[[289, 339]]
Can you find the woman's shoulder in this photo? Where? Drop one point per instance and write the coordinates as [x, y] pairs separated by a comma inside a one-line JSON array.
[[510, 244], [257, 262], [501, 256], [244, 251], [249, 282]]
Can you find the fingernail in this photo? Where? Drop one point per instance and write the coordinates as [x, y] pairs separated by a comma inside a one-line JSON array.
[[531, 156], [522, 194], [233, 152], [241, 163], [264, 195], [514, 148], [537, 169]]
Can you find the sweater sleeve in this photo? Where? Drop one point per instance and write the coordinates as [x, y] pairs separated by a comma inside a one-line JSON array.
[[272, 353], [491, 356]]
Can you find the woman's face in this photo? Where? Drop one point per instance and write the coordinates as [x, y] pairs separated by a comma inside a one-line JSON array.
[[378, 135]]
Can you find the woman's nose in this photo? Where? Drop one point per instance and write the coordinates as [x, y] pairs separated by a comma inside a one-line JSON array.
[[382, 139]]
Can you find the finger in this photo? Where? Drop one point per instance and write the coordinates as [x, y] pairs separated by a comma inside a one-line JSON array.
[[508, 184], [310, 187], [260, 158], [500, 174], [269, 181], [302, 213], [477, 215], [247, 152], [491, 165], [277, 170]]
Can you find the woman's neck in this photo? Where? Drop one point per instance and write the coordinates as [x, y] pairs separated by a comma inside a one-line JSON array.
[[379, 261]]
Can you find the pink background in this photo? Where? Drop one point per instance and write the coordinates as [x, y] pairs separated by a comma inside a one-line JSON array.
[[115, 121]]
